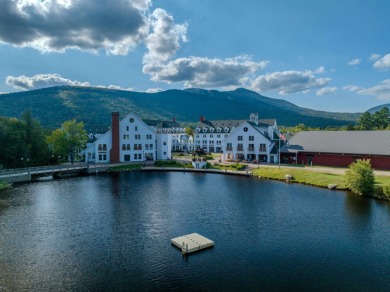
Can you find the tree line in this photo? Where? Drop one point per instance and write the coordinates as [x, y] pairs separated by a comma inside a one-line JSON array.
[[379, 120], [25, 143]]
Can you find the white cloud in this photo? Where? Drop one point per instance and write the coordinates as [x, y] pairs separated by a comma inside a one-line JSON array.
[[354, 62], [383, 63], [287, 82], [381, 90], [40, 81], [374, 57], [205, 72], [154, 90], [164, 40], [326, 91], [48, 80], [89, 25], [352, 88]]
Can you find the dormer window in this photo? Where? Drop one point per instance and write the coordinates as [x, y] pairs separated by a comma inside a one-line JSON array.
[[198, 130], [204, 129], [212, 130], [226, 129], [219, 129]]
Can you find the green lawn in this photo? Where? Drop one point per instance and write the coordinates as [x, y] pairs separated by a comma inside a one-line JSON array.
[[320, 179], [4, 185], [126, 167]]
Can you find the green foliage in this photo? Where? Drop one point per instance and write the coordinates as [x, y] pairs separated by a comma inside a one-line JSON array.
[[126, 167], [185, 105], [238, 166], [22, 142], [4, 185], [68, 140], [168, 163], [377, 121], [386, 191], [189, 131], [360, 177]]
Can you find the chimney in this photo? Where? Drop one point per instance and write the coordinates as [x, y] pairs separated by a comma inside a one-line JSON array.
[[114, 152], [202, 119]]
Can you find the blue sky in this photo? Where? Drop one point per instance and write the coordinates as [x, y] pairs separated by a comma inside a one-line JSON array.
[[326, 55]]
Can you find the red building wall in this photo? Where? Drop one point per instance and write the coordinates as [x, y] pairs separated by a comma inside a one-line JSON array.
[[334, 159]]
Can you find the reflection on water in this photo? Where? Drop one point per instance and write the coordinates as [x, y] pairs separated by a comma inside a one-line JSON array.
[[112, 232]]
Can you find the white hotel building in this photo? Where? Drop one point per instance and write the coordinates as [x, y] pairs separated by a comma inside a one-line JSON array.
[[135, 140]]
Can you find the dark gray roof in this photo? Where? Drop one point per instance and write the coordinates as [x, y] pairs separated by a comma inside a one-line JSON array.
[[232, 123], [343, 142], [162, 124]]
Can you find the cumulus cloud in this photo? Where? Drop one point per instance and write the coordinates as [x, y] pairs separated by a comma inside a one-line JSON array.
[[48, 80], [382, 63], [164, 40], [205, 72], [162, 44], [287, 82], [354, 62], [326, 91], [41, 81], [90, 25], [381, 90]]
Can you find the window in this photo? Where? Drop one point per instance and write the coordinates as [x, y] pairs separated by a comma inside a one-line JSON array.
[[226, 136], [131, 120], [102, 147], [226, 129], [211, 136], [204, 142], [229, 147], [212, 142], [137, 147], [139, 156], [126, 157], [239, 147], [135, 156], [246, 129], [262, 148], [149, 136], [218, 136], [136, 128], [239, 138], [197, 136], [125, 146], [164, 143], [126, 137], [102, 157], [251, 147], [127, 128], [251, 138], [204, 136], [219, 130], [165, 153], [137, 136]]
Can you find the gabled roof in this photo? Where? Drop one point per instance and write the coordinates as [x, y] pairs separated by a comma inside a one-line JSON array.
[[343, 142], [232, 124]]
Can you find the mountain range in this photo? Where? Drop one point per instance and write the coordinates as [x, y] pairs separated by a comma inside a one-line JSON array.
[[54, 105]]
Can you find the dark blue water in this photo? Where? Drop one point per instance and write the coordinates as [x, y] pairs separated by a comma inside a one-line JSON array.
[[112, 232]]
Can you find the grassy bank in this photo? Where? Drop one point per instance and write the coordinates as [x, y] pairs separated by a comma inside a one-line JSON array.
[[302, 176], [314, 178], [4, 185], [127, 167]]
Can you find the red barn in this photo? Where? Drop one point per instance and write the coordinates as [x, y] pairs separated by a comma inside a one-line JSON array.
[[338, 148]]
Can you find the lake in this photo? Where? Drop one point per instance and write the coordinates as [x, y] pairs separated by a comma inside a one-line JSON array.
[[113, 231]]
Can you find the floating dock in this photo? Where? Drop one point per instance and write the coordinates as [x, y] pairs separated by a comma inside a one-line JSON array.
[[192, 242]]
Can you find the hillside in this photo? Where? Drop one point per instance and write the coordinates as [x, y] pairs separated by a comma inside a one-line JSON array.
[[93, 106], [378, 108]]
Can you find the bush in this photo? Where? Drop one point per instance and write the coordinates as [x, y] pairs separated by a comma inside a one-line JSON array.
[[386, 191], [360, 177]]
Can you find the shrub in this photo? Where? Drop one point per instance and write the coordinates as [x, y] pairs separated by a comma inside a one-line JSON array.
[[386, 191], [360, 177]]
